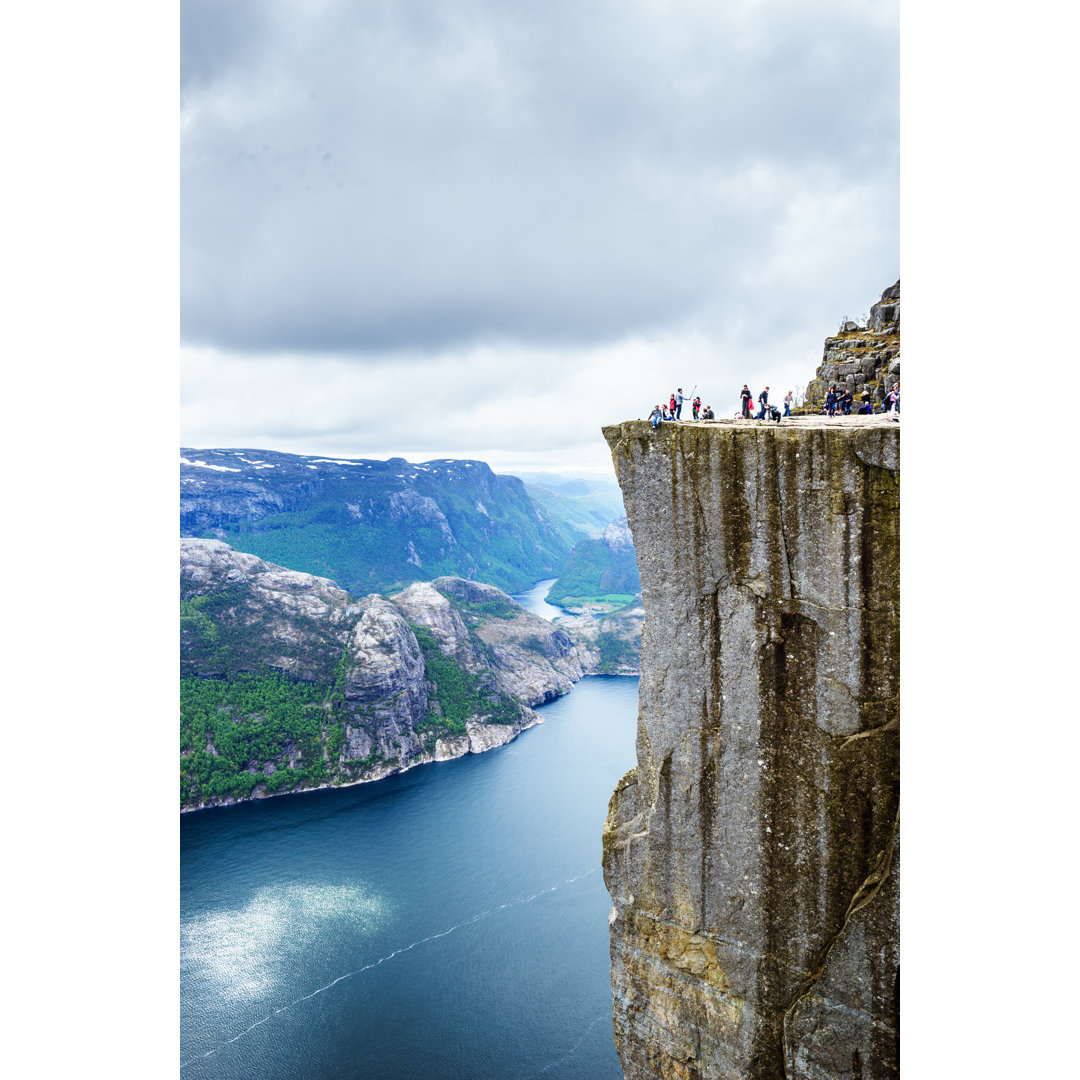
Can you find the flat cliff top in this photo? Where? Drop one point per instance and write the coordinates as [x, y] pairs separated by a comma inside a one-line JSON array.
[[801, 422]]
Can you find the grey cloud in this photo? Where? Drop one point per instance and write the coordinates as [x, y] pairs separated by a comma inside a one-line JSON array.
[[414, 176]]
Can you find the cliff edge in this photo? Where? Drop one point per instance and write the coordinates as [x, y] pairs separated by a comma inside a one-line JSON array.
[[752, 855]]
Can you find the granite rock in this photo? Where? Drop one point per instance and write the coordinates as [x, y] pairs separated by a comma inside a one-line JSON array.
[[241, 615], [751, 855], [865, 358]]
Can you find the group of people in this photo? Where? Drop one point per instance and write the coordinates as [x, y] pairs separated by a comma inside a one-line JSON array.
[[839, 401], [767, 411], [673, 409]]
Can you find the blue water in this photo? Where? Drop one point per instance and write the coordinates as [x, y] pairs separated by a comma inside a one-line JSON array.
[[535, 600], [450, 922]]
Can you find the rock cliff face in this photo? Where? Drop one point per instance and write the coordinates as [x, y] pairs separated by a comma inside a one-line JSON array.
[[752, 855], [863, 357], [290, 683], [529, 658]]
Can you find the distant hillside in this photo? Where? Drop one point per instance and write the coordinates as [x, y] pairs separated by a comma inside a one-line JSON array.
[[373, 525], [600, 572], [609, 644], [288, 682], [581, 506]]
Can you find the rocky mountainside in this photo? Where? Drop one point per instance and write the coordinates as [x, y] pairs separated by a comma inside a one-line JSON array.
[[752, 855], [372, 525], [863, 357], [289, 683], [609, 644], [581, 506], [602, 567]]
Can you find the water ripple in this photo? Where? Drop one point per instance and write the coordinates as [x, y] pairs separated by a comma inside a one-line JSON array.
[[272, 922]]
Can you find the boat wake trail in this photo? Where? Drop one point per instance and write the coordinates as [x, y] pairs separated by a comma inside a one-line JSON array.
[[606, 1014], [390, 956]]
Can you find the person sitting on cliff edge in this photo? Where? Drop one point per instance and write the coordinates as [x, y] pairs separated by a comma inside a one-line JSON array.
[[656, 416], [708, 414]]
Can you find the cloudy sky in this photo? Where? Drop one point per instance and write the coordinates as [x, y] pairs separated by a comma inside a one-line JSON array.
[[480, 229]]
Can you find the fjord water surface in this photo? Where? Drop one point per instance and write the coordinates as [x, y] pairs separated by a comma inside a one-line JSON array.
[[535, 600], [449, 923]]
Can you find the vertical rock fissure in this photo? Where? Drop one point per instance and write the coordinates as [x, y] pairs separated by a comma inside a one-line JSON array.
[[753, 933], [864, 896]]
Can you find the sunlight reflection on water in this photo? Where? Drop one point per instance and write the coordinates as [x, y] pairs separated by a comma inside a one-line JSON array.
[[243, 951]]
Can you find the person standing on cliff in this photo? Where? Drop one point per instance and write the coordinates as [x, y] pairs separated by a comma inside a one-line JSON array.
[[671, 408], [789, 398], [679, 399], [746, 399], [695, 405], [763, 401], [830, 401]]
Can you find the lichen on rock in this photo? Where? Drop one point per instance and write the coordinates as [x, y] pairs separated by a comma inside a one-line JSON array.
[[751, 856]]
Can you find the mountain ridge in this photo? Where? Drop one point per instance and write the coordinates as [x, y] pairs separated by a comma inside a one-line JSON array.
[[372, 525]]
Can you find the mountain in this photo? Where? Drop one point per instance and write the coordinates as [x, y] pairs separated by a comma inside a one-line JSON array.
[[582, 506], [609, 644], [289, 683], [601, 573], [372, 525]]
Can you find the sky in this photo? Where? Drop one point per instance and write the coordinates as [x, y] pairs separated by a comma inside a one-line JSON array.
[[479, 229], [92, 243]]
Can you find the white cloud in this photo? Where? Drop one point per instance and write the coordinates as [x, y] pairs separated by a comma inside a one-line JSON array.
[[479, 225]]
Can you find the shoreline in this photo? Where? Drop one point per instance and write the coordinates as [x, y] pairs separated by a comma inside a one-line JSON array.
[[428, 759], [414, 764]]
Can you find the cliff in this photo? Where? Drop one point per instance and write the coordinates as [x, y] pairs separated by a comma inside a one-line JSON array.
[[752, 855], [863, 357], [289, 683]]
